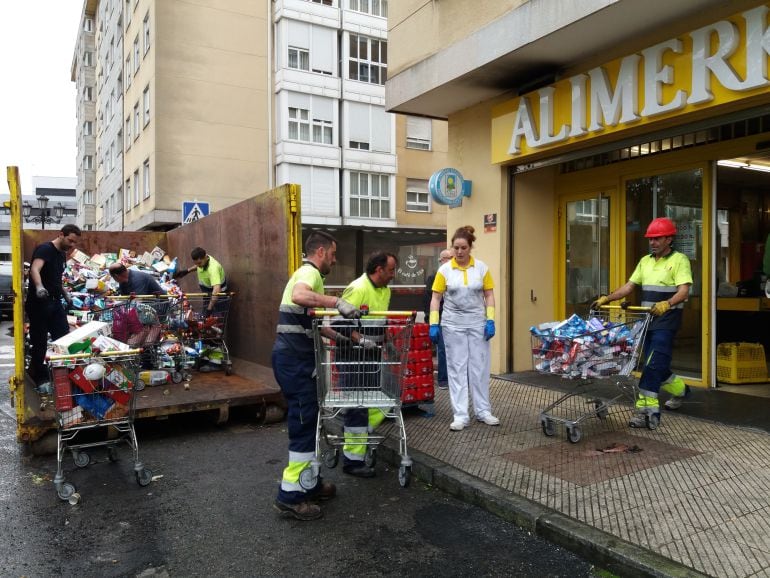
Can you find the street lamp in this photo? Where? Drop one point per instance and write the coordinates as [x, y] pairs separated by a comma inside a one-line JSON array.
[[42, 214]]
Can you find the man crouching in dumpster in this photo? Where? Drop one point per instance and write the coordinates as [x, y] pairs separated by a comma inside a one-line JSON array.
[[293, 361]]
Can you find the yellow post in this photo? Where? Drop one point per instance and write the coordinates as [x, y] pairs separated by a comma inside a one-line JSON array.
[[16, 381], [294, 222]]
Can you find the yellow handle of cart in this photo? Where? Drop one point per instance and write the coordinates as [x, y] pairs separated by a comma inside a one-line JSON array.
[[230, 294], [335, 313], [626, 308], [114, 353]]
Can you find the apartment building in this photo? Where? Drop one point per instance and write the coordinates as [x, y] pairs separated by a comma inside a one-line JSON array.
[[219, 102]]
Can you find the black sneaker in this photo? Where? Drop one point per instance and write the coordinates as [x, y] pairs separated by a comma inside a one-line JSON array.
[[360, 471], [304, 511]]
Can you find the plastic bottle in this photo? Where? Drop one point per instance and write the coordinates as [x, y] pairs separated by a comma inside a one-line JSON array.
[[155, 377]]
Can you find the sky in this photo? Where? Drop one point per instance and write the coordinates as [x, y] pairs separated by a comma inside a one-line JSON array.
[[37, 97]]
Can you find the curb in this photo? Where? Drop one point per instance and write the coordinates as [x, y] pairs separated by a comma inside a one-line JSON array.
[[605, 550]]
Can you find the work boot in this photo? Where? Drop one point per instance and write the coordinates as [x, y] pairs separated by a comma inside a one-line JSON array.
[[360, 471], [304, 511], [675, 402], [646, 413], [323, 491]]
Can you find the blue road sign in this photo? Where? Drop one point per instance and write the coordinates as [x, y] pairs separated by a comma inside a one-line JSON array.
[[193, 210]]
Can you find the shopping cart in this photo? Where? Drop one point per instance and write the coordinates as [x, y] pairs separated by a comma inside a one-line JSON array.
[[146, 321], [606, 346], [205, 331], [359, 364], [94, 391]]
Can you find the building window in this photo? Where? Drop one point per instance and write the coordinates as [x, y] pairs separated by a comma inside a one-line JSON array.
[[88, 93], [418, 133], [136, 121], [146, 104], [136, 54], [322, 131], [128, 12], [369, 195], [88, 59], [128, 133], [136, 187], [88, 128], [88, 25], [127, 197], [129, 72], [146, 32], [358, 145], [417, 196], [368, 59], [88, 197], [299, 58], [324, 2], [373, 7], [146, 175], [88, 162], [299, 124]]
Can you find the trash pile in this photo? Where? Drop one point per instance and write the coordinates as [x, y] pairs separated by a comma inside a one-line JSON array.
[[89, 280], [592, 347]]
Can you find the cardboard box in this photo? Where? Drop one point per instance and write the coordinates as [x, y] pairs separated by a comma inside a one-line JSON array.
[[90, 329]]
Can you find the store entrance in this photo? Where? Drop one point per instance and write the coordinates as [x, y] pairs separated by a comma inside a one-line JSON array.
[[742, 266]]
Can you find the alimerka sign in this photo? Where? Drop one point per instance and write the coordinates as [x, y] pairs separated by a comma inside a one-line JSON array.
[[721, 63]]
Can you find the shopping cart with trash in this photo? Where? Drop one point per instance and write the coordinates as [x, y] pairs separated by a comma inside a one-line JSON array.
[[204, 330], [92, 391], [601, 351], [146, 322], [359, 364]]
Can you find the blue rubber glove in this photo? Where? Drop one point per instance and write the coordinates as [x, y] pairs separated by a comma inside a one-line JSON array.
[[489, 329], [435, 333]]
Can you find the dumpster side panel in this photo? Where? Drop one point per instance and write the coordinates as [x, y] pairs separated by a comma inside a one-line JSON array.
[[252, 240]]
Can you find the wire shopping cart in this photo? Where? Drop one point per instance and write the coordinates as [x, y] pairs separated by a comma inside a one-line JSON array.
[[360, 364], [605, 346], [205, 331], [94, 391]]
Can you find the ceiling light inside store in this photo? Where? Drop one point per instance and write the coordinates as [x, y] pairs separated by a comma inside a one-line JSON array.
[[740, 165]]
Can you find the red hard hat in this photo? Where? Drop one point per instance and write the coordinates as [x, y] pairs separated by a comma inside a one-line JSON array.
[[661, 227]]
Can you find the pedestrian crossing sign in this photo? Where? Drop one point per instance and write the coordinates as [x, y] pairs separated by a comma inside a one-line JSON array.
[[193, 211]]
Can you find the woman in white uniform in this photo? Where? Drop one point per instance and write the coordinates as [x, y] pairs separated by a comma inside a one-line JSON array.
[[467, 325]]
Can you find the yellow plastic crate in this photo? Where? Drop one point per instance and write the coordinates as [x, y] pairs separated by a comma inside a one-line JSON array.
[[741, 363]]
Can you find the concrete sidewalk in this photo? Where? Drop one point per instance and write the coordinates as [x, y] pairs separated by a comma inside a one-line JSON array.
[[692, 497]]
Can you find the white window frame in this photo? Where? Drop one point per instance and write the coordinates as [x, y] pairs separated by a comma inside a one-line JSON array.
[[136, 187], [88, 162], [129, 72], [146, 105], [88, 197], [88, 93], [418, 131], [127, 195], [146, 179], [360, 64], [137, 58], [137, 126], [88, 58], [368, 182], [302, 57], [323, 131], [128, 132], [373, 7], [299, 118], [418, 187], [88, 128], [88, 25], [128, 13], [146, 32]]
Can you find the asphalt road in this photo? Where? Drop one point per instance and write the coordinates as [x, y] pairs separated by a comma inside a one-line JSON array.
[[209, 513]]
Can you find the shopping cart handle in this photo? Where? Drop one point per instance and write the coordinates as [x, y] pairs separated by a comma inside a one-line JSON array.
[[365, 313], [114, 353], [625, 307]]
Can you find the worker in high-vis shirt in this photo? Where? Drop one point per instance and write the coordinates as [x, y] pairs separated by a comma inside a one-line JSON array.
[[665, 277], [293, 360], [466, 324], [364, 346]]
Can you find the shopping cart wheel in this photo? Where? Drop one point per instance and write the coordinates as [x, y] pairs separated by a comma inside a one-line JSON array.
[[307, 479], [186, 375], [66, 491], [112, 453], [176, 377], [653, 421], [601, 412], [139, 385], [81, 459], [574, 434], [404, 475], [143, 477], [229, 369], [331, 458], [549, 428], [370, 459]]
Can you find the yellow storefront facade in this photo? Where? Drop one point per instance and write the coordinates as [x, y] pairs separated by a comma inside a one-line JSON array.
[[676, 124]]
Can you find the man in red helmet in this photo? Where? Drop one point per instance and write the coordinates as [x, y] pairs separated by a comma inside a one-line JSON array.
[[665, 278]]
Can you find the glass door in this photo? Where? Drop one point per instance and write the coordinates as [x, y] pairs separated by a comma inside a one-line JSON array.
[[585, 246]]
